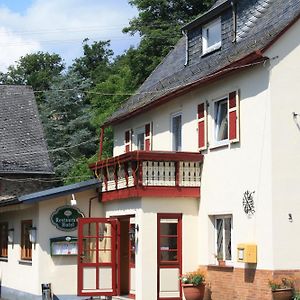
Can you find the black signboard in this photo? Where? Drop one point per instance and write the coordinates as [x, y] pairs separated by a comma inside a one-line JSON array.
[[65, 218]]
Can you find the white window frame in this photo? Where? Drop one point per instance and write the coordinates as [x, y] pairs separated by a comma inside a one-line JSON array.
[[217, 143], [174, 115], [137, 131], [205, 48], [223, 217]]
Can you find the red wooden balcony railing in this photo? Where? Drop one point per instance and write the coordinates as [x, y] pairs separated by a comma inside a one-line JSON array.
[[150, 173]]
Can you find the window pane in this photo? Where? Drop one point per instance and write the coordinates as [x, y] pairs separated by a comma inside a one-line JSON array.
[[168, 239], [219, 224], [168, 255], [227, 225], [168, 243], [176, 131], [141, 141], [221, 120], [26, 245], [105, 256], [168, 229], [89, 229], [214, 34], [3, 239]]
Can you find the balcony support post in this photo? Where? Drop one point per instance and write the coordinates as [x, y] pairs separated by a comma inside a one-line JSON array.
[[140, 170], [126, 173], [177, 173], [116, 176]]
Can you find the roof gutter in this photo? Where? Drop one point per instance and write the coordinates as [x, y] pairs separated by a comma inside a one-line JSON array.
[[245, 62], [207, 16]]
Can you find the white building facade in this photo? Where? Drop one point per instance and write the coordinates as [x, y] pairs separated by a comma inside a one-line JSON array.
[[204, 172]]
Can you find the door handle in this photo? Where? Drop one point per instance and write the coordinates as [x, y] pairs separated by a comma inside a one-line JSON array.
[[81, 257]]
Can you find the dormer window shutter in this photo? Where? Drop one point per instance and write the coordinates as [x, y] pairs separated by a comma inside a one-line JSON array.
[[202, 126], [234, 118], [128, 139], [148, 137]]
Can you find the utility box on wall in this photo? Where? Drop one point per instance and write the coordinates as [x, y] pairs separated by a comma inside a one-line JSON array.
[[247, 253]]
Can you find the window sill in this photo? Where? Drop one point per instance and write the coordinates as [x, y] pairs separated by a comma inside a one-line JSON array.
[[211, 50], [223, 144], [3, 259], [220, 268], [25, 262]]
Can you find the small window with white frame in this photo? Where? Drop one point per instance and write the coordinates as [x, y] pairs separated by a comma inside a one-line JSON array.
[[223, 233], [220, 120], [211, 36], [176, 130]]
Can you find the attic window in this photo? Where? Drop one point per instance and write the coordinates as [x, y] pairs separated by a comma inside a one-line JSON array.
[[211, 36]]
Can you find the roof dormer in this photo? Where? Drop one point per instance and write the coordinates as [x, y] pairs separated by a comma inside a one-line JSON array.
[[209, 32]]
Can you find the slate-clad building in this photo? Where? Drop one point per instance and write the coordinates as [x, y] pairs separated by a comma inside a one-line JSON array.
[[23, 151]]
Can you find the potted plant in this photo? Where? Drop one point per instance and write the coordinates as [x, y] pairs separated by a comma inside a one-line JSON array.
[[282, 289], [221, 261], [193, 284]]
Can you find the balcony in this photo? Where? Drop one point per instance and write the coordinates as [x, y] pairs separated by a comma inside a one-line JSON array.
[[150, 174]]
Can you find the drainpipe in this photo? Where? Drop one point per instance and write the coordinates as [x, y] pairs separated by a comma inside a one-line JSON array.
[[234, 19], [101, 142], [93, 198], [186, 48]]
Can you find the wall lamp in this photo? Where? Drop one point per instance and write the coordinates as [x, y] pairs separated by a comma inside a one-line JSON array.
[[73, 200], [10, 235], [32, 235]]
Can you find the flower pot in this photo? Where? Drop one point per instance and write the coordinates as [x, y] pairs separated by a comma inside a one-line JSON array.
[[192, 292], [282, 294], [221, 263]]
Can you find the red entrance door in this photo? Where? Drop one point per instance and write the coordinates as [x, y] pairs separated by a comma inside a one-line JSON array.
[[97, 257]]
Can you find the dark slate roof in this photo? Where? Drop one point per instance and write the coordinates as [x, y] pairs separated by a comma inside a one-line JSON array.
[[216, 9], [172, 74], [52, 193], [60, 191], [23, 148]]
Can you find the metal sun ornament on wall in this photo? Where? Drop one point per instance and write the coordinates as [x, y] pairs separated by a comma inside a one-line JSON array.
[[248, 203]]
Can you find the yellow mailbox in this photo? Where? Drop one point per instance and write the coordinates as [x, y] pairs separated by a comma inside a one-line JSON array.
[[247, 253]]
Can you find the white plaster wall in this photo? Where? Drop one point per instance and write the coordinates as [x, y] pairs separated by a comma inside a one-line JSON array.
[[145, 211], [231, 170], [14, 274], [60, 271], [55, 268], [227, 171], [285, 99]]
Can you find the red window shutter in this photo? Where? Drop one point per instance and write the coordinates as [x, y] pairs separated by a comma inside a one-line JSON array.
[[233, 106], [202, 126], [148, 137], [128, 141]]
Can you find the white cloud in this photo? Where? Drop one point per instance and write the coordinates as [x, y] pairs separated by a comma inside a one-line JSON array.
[[13, 46], [60, 26]]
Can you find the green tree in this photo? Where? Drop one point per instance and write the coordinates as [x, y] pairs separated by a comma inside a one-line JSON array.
[[37, 69], [66, 118], [95, 62], [158, 23]]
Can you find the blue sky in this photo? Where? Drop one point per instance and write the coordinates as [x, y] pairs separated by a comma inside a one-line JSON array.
[[17, 5], [59, 26]]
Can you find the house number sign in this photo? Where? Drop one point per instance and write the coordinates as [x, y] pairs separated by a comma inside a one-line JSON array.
[[65, 218]]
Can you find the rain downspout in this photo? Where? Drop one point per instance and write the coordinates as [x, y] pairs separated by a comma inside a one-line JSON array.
[[234, 20], [101, 142], [186, 48]]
